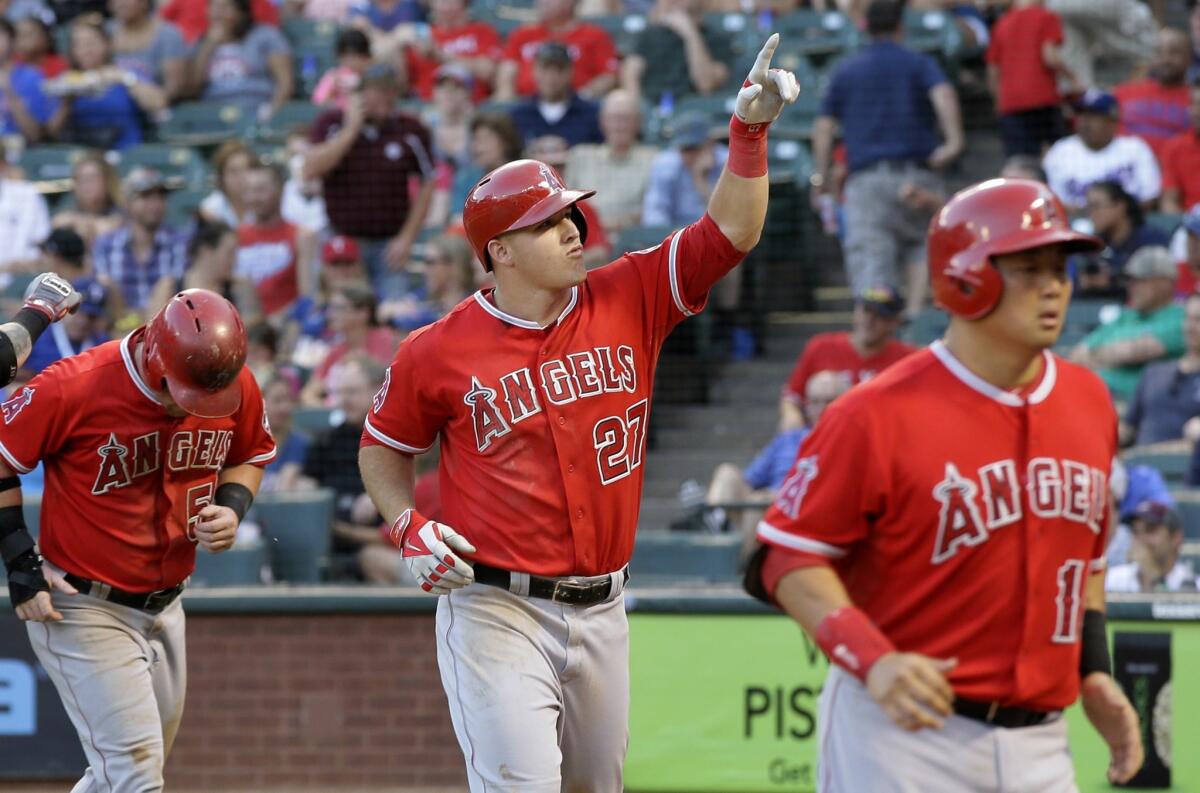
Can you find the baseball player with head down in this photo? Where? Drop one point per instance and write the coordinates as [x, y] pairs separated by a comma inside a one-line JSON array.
[[942, 532], [152, 445], [539, 390]]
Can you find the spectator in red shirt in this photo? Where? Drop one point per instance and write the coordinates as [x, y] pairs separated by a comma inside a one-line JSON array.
[[1024, 61], [454, 39], [1156, 108], [857, 355], [191, 16], [591, 48], [352, 323], [1181, 164]]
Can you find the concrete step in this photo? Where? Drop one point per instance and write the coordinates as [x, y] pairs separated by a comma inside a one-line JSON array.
[[733, 438], [709, 418]]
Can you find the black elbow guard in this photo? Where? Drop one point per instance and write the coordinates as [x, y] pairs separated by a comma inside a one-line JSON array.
[[8, 360]]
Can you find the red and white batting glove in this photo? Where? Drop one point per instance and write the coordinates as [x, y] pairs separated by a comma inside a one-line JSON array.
[[429, 549], [52, 296], [766, 90]]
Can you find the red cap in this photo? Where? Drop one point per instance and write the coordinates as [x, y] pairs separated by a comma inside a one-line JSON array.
[[340, 249]]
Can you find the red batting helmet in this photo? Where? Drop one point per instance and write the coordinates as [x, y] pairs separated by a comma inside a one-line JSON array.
[[516, 195], [194, 348], [989, 219]]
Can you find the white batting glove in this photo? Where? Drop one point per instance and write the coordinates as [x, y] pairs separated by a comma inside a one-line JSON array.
[[428, 549], [52, 296], [766, 90]]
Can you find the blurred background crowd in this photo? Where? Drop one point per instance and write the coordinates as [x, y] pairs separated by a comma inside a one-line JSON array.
[[309, 159]]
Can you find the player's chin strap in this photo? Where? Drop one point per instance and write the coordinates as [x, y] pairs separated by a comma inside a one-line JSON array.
[[21, 560], [236, 496], [1093, 655]]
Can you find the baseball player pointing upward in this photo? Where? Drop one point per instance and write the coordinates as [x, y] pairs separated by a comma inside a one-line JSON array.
[[540, 391], [942, 531]]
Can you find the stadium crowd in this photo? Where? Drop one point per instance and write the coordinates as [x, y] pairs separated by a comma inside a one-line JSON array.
[[308, 159]]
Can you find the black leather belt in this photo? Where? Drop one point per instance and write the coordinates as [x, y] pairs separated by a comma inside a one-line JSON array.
[[153, 602], [999, 716], [571, 593]]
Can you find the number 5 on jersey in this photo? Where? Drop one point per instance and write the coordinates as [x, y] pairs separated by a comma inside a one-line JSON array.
[[620, 441]]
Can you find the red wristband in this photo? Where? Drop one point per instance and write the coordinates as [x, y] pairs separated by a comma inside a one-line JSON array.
[[852, 641], [747, 149], [409, 518]]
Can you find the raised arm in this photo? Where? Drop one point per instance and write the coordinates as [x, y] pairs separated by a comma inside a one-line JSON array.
[[48, 299]]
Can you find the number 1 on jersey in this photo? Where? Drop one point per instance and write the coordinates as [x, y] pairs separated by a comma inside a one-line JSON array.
[[619, 442], [1070, 587]]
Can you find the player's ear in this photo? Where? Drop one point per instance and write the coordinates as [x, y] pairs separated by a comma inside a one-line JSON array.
[[500, 253]]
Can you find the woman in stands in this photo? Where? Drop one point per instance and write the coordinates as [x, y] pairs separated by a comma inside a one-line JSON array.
[[100, 104], [495, 140], [34, 46], [225, 205], [241, 62], [95, 198], [149, 46], [354, 330], [1117, 219], [212, 253], [450, 269]]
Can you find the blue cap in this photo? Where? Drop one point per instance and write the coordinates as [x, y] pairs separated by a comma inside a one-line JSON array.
[[1146, 484], [1100, 102], [1191, 221], [94, 296], [690, 129]]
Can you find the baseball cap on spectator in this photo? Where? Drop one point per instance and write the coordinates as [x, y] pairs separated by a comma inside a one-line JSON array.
[[1158, 513], [690, 130], [883, 300], [66, 244], [379, 75], [1144, 483], [144, 180], [454, 73], [1191, 221], [1152, 261], [340, 250], [553, 53], [1099, 102], [93, 294]]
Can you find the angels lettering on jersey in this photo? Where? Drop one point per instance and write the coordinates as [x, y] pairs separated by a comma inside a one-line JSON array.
[[124, 460], [496, 407], [974, 504]]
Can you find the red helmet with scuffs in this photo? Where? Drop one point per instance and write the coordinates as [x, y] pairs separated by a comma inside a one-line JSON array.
[[194, 349], [517, 195], [989, 219]]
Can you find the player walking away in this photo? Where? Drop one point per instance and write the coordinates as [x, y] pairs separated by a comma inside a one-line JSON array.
[[539, 390], [48, 298], [942, 531], [152, 445]]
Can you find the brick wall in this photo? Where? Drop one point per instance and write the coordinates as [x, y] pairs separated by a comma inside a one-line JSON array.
[[338, 701]]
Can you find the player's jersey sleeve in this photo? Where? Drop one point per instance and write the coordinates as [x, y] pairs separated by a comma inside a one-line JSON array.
[[252, 441], [405, 415], [35, 422], [677, 274], [833, 491]]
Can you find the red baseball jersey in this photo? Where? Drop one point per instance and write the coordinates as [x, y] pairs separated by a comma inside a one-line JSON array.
[[124, 481], [834, 352], [592, 53], [267, 257], [543, 429], [963, 519], [472, 40]]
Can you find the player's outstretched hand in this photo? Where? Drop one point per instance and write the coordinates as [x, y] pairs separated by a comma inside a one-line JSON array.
[[51, 295], [217, 528], [433, 553], [40, 608], [767, 90], [912, 689], [1109, 711]]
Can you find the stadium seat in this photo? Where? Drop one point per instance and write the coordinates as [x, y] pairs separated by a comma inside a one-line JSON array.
[[1164, 221], [313, 419], [926, 327], [292, 115], [1187, 502], [49, 163], [660, 556], [933, 33], [206, 124], [639, 238], [310, 36], [182, 166], [623, 28], [815, 34], [16, 284], [788, 161], [297, 531], [235, 567], [182, 205], [1173, 465]]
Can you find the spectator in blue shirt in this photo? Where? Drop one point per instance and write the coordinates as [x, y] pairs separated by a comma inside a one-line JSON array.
[[761, 479], [385, 15], [683, 176], [890, 104], [555, 108], [90, 325], [1166, 404], [281, 397], [24, 107]]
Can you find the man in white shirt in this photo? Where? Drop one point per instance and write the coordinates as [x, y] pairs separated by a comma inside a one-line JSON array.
[[1156, 567], [1097, 153], [24, 218]]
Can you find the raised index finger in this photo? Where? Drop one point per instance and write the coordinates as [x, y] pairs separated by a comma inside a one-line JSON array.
[[758, 73]]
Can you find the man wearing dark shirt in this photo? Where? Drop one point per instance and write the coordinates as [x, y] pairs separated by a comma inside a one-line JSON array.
[[367, 157], [1167, 398], [556, 109], [654, 67]]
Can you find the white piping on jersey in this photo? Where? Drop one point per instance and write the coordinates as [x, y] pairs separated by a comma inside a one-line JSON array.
[[673, 277], [265, 457], [12, 461], [390, 441], [977, 383], [491, 308], [127, 357], [1098, 564], [797, 543]]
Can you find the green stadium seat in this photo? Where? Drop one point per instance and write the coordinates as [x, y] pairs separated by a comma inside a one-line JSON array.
[[182, 205], [1088, 315], [312, 420], [182, 166], [16, 284], [1164, 221], [270, 151], [235, 567], [660, 556], [814, 34], [788, 161], [316, 37], [639, 238], [206, 124], [49, 163], [932, 32], [926, 327], [1187, 502], [292, 115], [297, 529], [1173, 465]]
